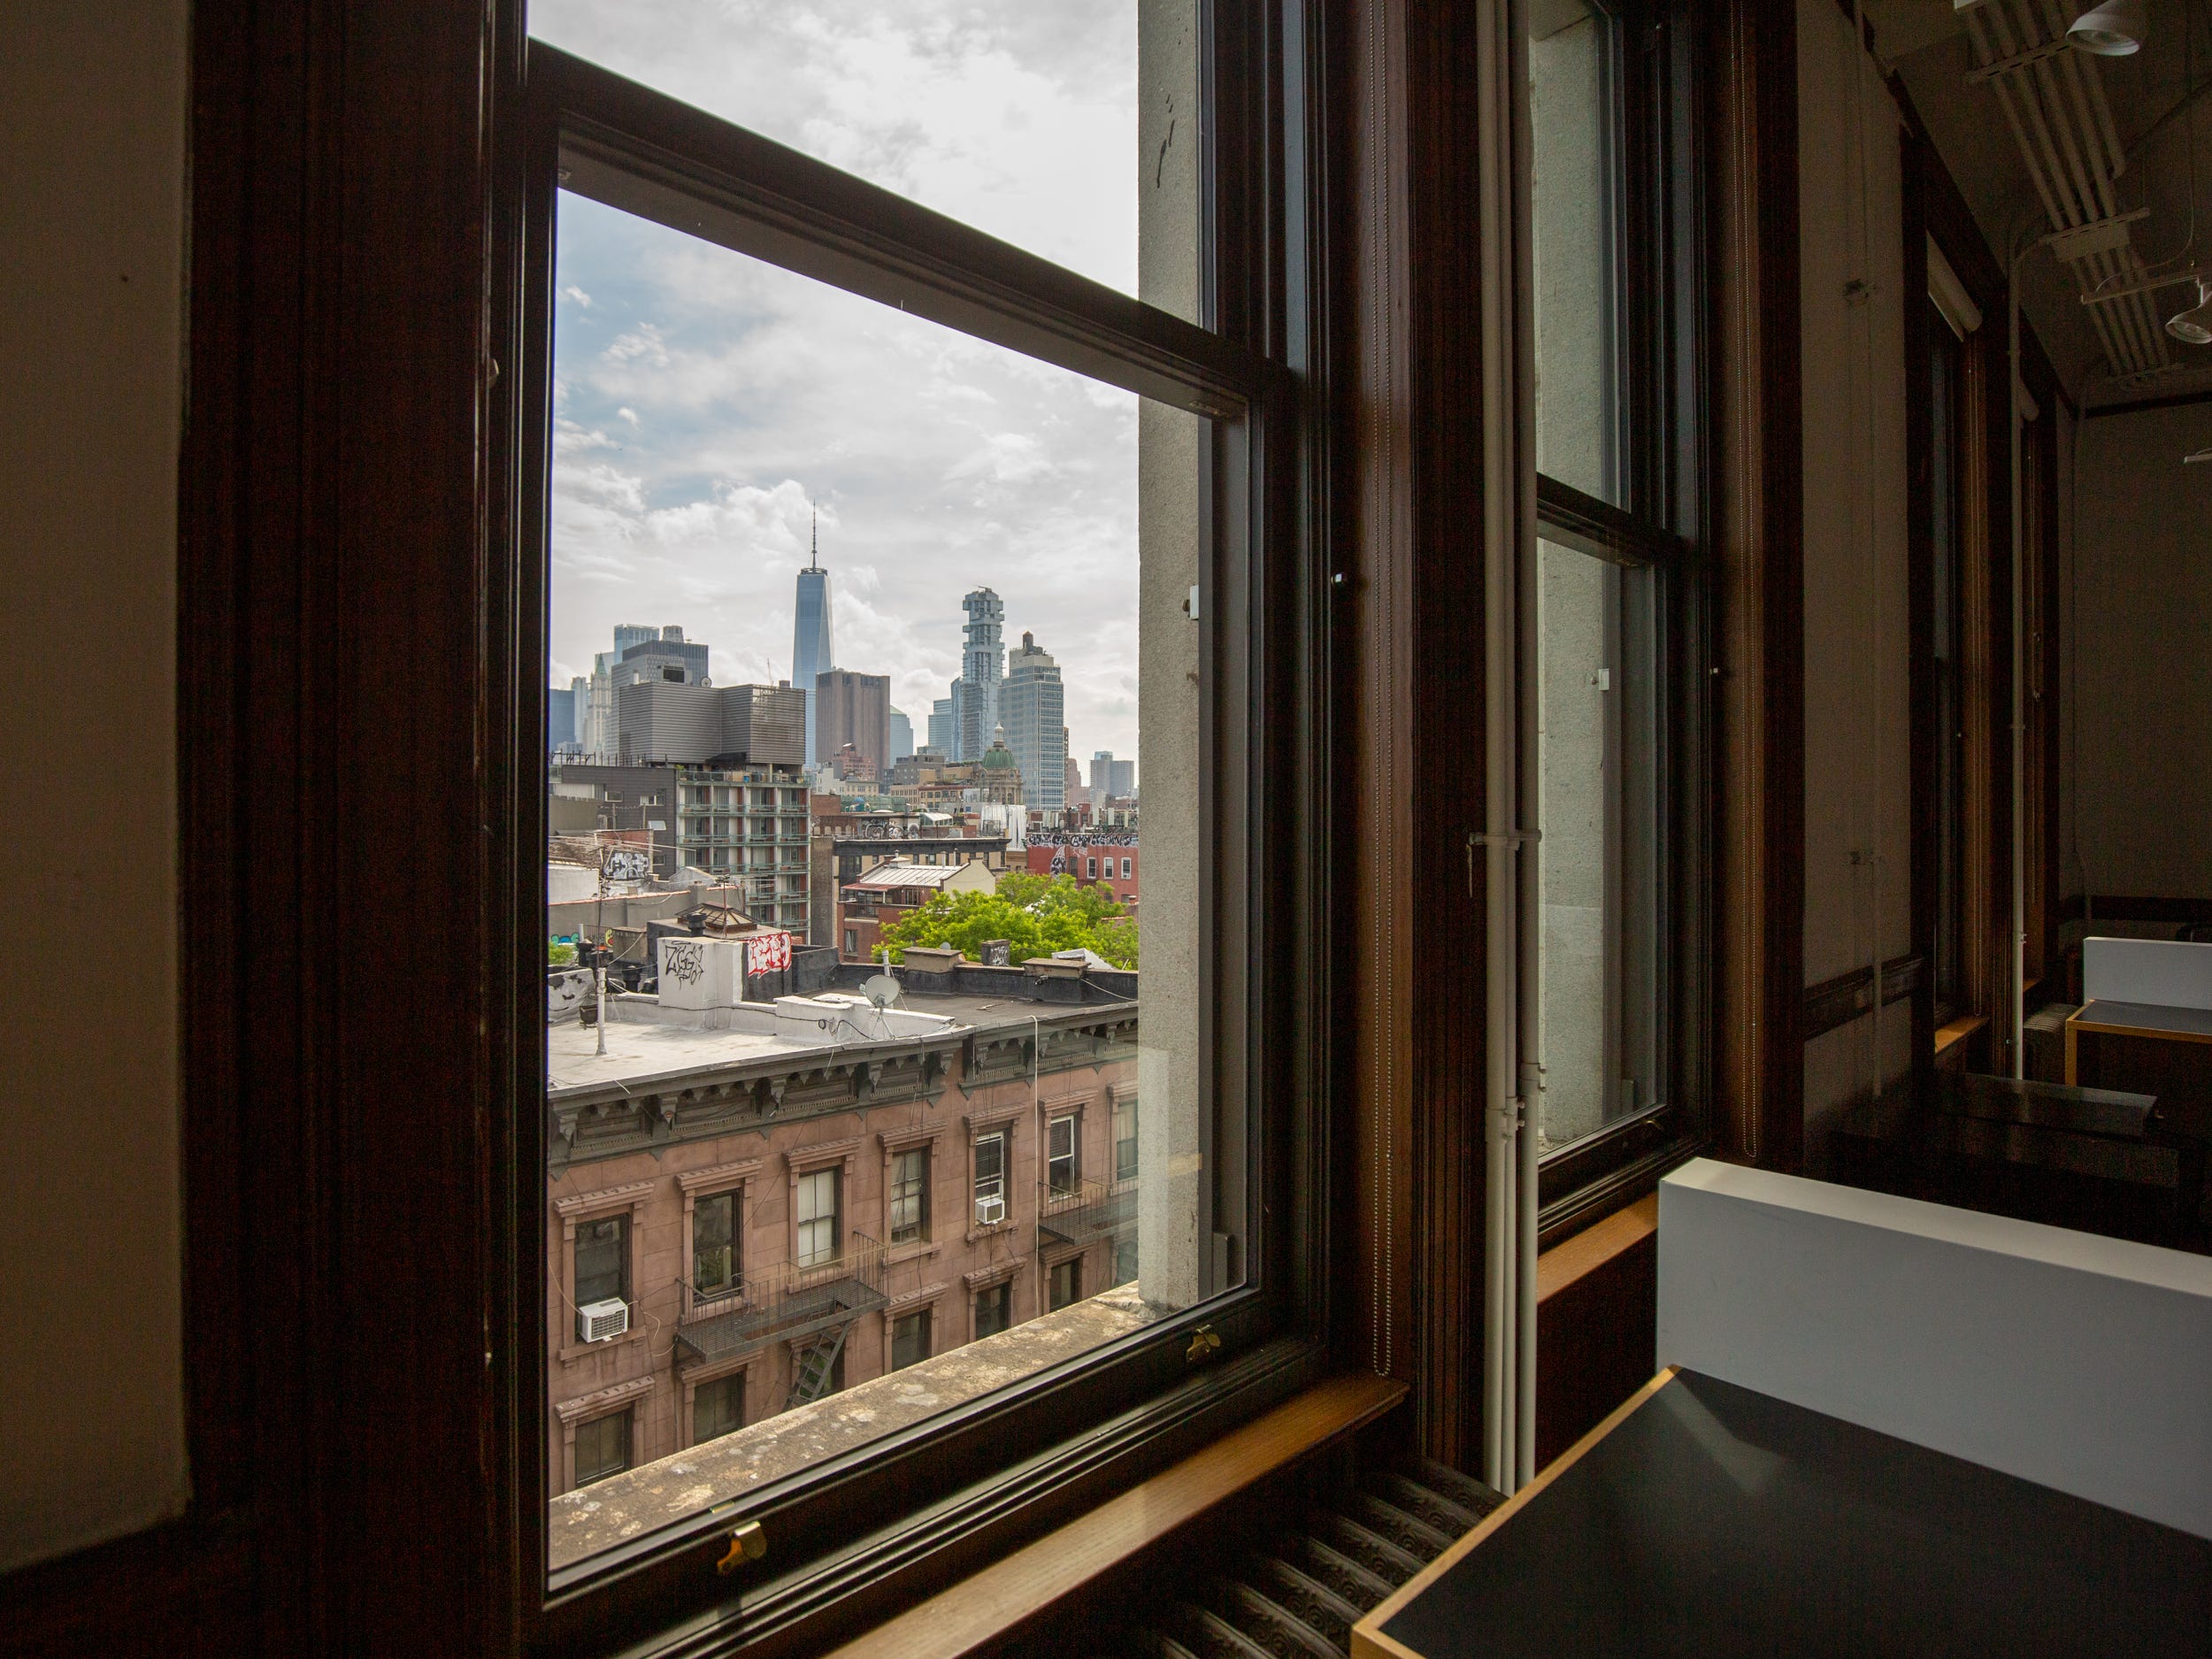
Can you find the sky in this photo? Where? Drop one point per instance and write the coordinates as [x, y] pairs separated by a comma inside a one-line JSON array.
[[706, 403]]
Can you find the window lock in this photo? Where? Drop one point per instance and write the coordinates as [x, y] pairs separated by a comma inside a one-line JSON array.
[[748, 1542]]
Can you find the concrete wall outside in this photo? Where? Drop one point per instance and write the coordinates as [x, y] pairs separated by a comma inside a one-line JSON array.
[[92, 192]]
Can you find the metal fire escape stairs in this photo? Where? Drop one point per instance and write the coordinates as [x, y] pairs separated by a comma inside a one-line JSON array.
[[817, 1364]]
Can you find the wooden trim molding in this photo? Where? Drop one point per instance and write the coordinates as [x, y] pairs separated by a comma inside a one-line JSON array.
[[1756, 535], [993, 1606]]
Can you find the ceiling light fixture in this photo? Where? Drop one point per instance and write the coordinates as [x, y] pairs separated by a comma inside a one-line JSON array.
[[2195, 324], [2111, 30]]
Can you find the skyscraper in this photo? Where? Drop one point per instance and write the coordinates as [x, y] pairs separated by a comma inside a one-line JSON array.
[[1032, 701], [854, 708], [982, 668], [811, 653], [902, 736], [944, 730]]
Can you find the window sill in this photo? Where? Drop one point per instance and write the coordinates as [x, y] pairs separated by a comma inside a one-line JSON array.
[[1596, 1246], [575, 1351], [1948, 1037], [993, 1604]]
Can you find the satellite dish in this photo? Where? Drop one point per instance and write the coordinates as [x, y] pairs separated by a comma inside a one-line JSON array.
[[882, 990]]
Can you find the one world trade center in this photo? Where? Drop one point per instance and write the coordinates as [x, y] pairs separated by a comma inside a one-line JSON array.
[[810, 636]]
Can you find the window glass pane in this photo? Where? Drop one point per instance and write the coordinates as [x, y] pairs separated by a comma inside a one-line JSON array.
[[713, 1236], [1599, 752], [1125, 1140], [909, 1340], [1020, 117], [754, 471], [602, 1261], [1575, 214], [909, 1195], [602, 1446], [718, 1406]]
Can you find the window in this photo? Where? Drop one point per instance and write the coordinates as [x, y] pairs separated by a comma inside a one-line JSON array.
[[1066, 1283], [1125, 1140], [602, 1446], [909, 1195], [1947, 640], [1126, 866], [714, 1262], [990, 1169], [717, 1407], [1060, 1157], [732, 345], [602, 1261], [909, 1339], [817, 1230], [993, 1310], [1091, 868], [1612, 596]]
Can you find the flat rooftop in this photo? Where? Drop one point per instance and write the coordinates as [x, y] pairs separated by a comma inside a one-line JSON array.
[[641, 1050]]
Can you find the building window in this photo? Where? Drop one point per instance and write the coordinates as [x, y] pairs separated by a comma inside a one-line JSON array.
[[993, 1310], [602, 1446], [717, 1407], [714, 1234], [1061, 1174], [909, 1339], [817, 1199], [1125, 1140], [603, 1260], [1128, 866], [990, 1171], [852, 941], [1066, 1283], [1091, 868], [909, 1195]]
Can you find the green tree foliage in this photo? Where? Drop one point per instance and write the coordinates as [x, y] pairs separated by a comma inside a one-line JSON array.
[[1035, 915], [558, 955]]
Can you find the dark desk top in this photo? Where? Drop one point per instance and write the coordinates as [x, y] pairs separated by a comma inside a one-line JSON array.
[[2154, 1018], [1714, 1521]]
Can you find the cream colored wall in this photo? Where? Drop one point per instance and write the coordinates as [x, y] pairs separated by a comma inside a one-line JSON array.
[[92, 217], [1857, 778], [2136, 668]]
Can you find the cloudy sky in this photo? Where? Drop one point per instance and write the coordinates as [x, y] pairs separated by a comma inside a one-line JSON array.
[[705, 401]]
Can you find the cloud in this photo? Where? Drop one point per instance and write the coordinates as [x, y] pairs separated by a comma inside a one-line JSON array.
[[748, 400], [574, 293]]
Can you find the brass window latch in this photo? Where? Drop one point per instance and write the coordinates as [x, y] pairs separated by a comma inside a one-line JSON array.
[[748, 1542], [1203, 1342]]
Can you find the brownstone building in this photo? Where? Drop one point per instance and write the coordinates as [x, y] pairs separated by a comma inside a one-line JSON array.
[[749, 1208]]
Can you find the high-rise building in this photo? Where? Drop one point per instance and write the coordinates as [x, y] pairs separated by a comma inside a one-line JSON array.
[[640, 653], [982, 670], [944, 733], [855, 708], [811, 653], [902, 737], [563, 706], [695, 726], [1110, 777], [1032, 701]]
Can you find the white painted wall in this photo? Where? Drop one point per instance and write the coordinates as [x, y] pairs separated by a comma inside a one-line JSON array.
[[92, 225], [2136, 671], [1857, 710], [2075, 1361]]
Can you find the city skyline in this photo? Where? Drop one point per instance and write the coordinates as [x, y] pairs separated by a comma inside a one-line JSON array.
[[707, 402]]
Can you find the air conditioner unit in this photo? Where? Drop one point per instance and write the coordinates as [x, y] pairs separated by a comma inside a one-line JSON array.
[[602, 1321], [989, 1211]]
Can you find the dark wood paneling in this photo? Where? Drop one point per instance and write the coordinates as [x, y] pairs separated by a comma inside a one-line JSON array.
[[1596, 1340], [1920, 693], [1758, 568], [2116, 907]]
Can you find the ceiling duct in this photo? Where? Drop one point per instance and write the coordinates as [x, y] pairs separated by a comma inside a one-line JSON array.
[[2054, 101]]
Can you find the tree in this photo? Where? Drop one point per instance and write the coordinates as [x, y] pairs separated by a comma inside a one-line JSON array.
[[1033, 914]]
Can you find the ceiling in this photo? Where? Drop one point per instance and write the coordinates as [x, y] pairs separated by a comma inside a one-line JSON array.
[[1924, 43]]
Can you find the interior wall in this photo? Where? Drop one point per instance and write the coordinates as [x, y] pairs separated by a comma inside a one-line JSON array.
[[92, 196], [1857, 712], [2137, 665]]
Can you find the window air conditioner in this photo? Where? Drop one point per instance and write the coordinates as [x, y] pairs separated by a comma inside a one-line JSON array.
[[602, 1321], [989, 1211]]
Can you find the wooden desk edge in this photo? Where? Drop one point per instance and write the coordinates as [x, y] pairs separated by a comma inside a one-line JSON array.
[[2081, 1020], [1368, 1640], [989, 1604]]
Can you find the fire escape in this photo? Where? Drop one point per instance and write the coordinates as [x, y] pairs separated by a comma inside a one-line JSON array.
[[811, 1306]]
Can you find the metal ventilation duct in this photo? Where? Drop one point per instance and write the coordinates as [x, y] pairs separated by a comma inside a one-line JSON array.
[[2054, 100]]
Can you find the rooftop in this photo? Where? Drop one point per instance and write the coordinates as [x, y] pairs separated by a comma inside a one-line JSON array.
[[646, 1043], [904, 875]]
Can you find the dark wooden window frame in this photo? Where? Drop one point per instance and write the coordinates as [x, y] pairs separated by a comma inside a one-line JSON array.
[[1040, 1444], [1659, 67]]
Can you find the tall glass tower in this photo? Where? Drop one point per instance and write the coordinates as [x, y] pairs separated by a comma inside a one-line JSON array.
[[982, 668], [811, 634]]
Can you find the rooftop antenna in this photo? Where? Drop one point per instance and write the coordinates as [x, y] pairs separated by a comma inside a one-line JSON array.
[[882, 990]]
